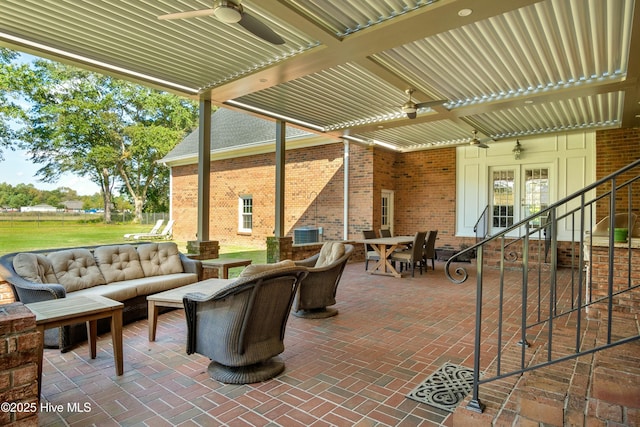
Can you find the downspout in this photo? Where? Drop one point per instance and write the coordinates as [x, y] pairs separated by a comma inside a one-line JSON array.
[[345, 220]]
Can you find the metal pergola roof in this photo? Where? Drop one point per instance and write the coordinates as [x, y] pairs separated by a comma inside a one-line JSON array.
[[508, 69]]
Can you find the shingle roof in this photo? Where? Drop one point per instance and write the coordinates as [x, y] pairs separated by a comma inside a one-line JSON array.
[[232, 129]]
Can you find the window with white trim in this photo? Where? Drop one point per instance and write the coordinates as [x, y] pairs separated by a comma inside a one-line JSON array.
[[245, 214]]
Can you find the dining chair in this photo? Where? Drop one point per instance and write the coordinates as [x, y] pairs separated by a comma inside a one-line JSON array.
[[429, 252], [370, 253], [385, 232], [412, 257]]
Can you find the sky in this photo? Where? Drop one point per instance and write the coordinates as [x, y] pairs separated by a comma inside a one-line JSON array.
[[17, 169]]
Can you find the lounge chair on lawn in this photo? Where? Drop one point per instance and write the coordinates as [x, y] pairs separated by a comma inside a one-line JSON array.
[[166, 233], [154, 230]]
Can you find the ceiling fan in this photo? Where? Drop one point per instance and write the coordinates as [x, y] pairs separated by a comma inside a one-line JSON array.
[[476, 142], [410, 108], [231, 12]]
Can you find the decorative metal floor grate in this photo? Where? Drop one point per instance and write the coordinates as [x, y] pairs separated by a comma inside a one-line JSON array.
[[445, 388]]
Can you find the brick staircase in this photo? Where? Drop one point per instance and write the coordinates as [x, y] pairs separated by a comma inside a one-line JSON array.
[[597, 389]]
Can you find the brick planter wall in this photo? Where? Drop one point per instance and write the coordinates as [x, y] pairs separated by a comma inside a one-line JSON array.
[[19, 358], [625, 304]]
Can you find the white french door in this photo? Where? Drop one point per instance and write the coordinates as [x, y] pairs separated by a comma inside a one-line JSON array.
[[517, 192]]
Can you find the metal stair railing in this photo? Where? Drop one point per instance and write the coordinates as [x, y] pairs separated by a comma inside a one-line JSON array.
[[481, 227], [552, 297]]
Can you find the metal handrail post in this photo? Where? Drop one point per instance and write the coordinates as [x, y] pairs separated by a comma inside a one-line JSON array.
[[475, 404]]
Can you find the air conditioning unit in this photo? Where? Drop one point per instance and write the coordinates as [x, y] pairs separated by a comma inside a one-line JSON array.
[[306, 235]]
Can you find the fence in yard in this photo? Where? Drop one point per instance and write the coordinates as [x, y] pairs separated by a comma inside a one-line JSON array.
[[62, 217]]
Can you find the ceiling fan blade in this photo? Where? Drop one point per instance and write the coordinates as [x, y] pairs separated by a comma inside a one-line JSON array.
[[430, 104], [412, 115], [482, 145], [184, 15], [258, 28]]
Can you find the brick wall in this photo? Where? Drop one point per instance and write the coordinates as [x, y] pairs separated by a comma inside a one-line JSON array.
[[424, 183], [616, 148], [426, 194], [19, 358], [313, 194], [361, 195]]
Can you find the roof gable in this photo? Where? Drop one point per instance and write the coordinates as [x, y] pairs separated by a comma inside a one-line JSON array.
[[232, 129]]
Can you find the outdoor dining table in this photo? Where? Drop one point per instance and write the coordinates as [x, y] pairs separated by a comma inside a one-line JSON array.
[[385, 246]]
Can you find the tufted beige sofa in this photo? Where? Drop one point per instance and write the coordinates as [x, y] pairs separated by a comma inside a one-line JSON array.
[[125, 273]]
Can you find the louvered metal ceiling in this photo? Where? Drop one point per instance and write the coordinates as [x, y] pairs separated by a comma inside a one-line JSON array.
[[507, 69]]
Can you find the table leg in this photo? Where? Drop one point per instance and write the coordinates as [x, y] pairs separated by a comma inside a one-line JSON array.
[[116, 340], [384, 264], [380, 263], [225, 272], [152, 315], [41, 358], [92, 334]]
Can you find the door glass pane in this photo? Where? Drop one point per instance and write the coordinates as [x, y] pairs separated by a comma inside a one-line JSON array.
[[503, 197], [384, 220], [536, 192]]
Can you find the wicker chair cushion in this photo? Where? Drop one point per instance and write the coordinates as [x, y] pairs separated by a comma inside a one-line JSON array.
[[118, 263], [254, 269], [76, 269], [330, 253], [34, 267], [158, 259]]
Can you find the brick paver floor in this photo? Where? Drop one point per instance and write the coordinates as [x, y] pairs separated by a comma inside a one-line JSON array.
[[354, 369]]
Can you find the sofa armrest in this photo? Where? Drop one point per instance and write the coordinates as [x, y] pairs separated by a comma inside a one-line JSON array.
[[25, 291], [191, 265]]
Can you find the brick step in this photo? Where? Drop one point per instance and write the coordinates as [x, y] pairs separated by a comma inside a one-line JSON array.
[[602, 388]]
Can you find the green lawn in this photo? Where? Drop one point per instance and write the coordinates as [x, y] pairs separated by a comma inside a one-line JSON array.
[[18, 236]]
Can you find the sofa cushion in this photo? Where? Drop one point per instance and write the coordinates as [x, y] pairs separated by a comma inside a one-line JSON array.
[[35, 268], [76, 269], [160, 258], [128, 289], [118, 262], [118, 291], [330, 253], [254, 269], [155, 284]]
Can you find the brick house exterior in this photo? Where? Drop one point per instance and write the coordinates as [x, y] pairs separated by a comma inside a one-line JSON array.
[[424, 184]]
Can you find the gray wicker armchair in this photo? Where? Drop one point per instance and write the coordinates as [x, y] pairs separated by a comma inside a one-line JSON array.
[[241, 327], [318, 289]]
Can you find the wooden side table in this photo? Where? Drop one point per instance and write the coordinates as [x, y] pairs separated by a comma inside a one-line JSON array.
[[173, 298], [89, 308], [224, 264]]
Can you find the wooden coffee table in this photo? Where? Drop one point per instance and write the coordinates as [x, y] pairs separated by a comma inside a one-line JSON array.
[[173, 298], [224, 264], [71, 310]]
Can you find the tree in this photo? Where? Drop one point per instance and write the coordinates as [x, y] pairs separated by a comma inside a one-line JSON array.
[[11, 114], [159, 122], [107, 130], [74, 126]]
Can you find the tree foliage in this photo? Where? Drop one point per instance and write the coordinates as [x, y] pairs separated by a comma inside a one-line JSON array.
[[11, 113], [107, 130], [15, 197]]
